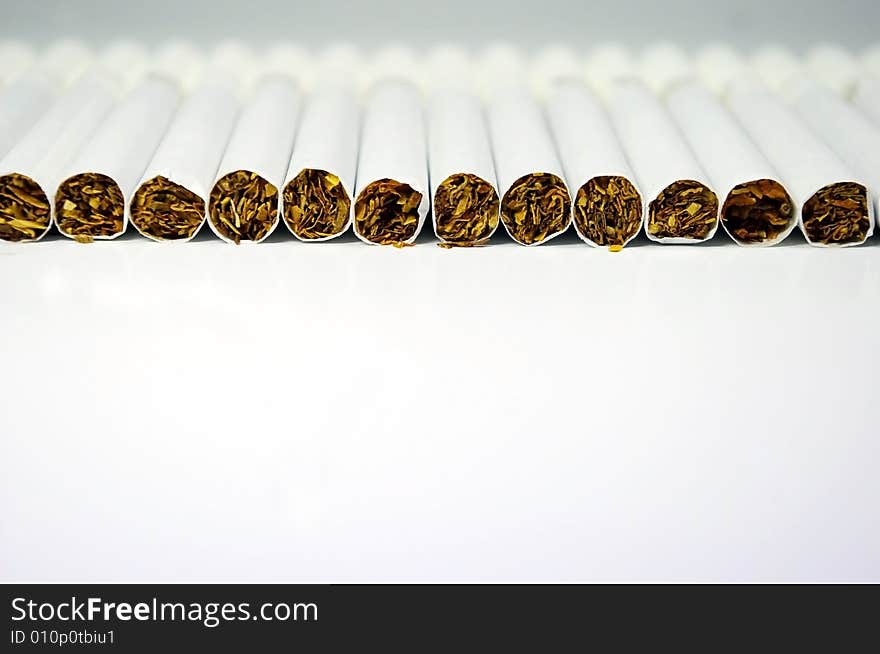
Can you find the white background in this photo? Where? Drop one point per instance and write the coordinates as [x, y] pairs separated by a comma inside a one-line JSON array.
[[338, 412]]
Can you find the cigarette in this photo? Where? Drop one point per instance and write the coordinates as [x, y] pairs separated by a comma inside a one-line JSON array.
[[464, 188], [757, 209], [608, 63], [870, 61], [664, 65], [849, 134], [317, 198], [292, 60], [682, 207], [15, 56], [835, 209], [170, 203], [608, 207], [535, 201], [91, 202], [866, 98], [835, 67], [180, 61], [22, 102], [536, 205], [66, 60], [392, 180], [31, 170], [243, 203], [717, 65], [125, 59]]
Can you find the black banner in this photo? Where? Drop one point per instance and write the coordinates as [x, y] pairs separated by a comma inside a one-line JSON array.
[[151, 618]]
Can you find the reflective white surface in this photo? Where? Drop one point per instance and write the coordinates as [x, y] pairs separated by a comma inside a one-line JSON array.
[[339, 412]]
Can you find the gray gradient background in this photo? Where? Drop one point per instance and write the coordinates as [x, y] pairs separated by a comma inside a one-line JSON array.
[[745, 22]]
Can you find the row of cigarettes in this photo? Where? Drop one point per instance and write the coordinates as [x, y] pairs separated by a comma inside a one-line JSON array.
[[614, 143]]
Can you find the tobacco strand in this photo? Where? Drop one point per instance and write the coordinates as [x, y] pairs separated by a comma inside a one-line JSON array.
[[89, 206], [758, 211], [387, 212], [535, 207], [316, 205], [684, 209], [24, 209], [466, 210], [608, 211], [166, 210], [243, 206]]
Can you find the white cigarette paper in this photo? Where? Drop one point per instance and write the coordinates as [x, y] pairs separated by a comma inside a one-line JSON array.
[[464, 189], [170, 203], [870, 60], [608, 207], [15, 57], [852, 137], [717, 65], [244, 204], [92, 201], [21, 104], [680, 205], [66, 60], [833, 210], [664, 65], [756, 210], [535, 203], [36, 164], [867, 98], [317, 202], [836, 68], [392, 178]]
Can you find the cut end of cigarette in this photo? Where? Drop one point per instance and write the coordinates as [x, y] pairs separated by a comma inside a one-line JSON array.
[[465, 210], [608, 211], [536, 207], [837, 214], [24, 209], [684, 209], [387, 212], [89, 206], [316, 205], [760, 211], [243, 206], [167, 211]]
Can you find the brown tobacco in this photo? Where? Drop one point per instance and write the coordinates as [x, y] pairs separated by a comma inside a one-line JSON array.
[[608, 211], [243, 206], [684, 209], [759, 211], [387, 212], [837, 214], [24, 209], [316, 205], [89, 206], [466, 210], [166, 211], [535, 207]]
